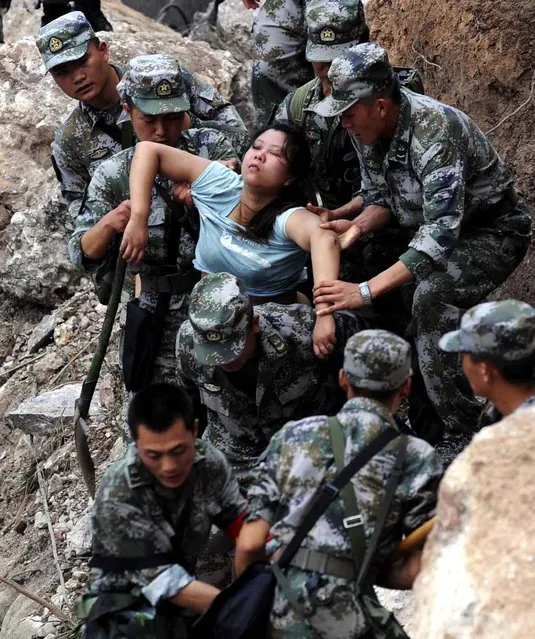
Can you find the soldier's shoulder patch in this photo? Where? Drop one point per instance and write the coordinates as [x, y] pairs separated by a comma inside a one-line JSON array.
[[55, 45], [278, 343], [372, 164], [212, 388], [99, 153]]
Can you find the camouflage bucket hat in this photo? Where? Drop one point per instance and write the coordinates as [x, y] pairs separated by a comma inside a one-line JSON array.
[[503, 330], [220, 314], [65, 39], [334, 27], [155, 85], [377, 360], [360, 72]]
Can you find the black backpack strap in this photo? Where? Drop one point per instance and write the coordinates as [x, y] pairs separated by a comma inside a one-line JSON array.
[[123, 135], [329, 491]]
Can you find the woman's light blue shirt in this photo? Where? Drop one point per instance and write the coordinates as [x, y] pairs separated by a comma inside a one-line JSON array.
[[265, 268]]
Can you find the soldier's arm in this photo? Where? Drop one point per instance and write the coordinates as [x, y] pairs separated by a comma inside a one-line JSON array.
[[251, 544], [72, 175]]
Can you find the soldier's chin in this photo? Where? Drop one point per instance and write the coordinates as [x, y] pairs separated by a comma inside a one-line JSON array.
[[173, 481]]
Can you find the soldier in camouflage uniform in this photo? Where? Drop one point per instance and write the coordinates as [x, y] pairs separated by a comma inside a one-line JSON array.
[[497, 344], [300, 458], [157, 101], [151, 519], [430, 168], [254, 367], [78, 62]]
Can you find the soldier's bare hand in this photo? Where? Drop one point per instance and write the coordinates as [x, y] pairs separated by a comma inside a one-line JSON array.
[[324, 336], [118, 218], [233, 164], [135, 238], [340, 295], [181, 192], [325, 215], [251, 4], [348, 232]]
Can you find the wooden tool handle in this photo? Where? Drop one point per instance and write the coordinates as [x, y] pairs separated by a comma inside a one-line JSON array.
[[414, 541]]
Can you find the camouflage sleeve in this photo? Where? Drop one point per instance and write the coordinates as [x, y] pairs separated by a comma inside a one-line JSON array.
[[213, 145], [283, 113], [441, 170], [73, 176], [263, 495], [230, 500], [122, 529], [102, 197], [421, 480]]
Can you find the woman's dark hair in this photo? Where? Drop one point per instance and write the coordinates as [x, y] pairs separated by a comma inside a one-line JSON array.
[[295, 150], [521, 372], [157, 407]]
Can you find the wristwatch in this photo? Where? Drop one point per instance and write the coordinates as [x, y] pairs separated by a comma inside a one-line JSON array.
[[365, 293]]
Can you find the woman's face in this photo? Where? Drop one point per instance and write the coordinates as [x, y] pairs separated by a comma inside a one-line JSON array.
[[265, 165]]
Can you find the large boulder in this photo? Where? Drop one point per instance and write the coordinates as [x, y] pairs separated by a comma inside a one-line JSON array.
[[477, 580], [476, 55], [34, 226]]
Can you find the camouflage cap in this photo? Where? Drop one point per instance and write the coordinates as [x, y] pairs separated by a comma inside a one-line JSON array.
[[65, 39], [377, 360], [360, 72], [220, 314], [502, 330], [155, 85], [333, 27]]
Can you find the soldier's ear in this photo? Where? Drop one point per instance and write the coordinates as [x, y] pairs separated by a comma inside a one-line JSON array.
[[104, 51], [255, 326], [196, 427], [405, 389], [343, 381]]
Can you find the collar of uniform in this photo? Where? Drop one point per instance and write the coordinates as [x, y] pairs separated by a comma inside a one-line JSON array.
[[316, 97], [368, 405], [110, 116], [399, 146], [136, 472]]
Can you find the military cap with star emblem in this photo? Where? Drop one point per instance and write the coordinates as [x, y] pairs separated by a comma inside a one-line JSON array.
[[333, 27], [220, 314], [155, 85], [65, 39]]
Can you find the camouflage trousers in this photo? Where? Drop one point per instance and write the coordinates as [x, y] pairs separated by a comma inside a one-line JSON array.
[[480, 263], [279, 63]]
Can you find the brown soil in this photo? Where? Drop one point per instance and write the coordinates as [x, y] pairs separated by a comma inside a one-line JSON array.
[[478, 56]]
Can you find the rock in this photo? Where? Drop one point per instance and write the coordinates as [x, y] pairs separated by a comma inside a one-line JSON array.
[[64, 333], [59, 457], [45, 368], [7, 597], [40, 520], [55, 484], [42, 333], [477, 579], [18, 622], [79, 538], [44, 413], [33, 260], [117, 451]]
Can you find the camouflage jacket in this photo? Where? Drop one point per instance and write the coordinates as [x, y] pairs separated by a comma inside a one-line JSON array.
[[288, 384], [297, 461], [439, 176], [336, 174], [136, 517], [80, 145]]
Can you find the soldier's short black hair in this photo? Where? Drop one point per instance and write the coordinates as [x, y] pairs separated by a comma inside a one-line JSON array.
[[157, 407], [521, 372]]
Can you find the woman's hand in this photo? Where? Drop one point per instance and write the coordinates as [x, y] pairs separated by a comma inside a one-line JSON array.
[[135, 238], [340, 295], [181, 192], [324, 336]]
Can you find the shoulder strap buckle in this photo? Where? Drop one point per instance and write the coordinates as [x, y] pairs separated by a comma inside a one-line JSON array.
[[353, 521]]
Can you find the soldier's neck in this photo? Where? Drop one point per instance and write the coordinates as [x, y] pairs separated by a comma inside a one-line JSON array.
[[508, 397], [108, 98]]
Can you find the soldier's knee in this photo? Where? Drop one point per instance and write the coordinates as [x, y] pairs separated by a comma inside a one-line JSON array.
[[430, 296]]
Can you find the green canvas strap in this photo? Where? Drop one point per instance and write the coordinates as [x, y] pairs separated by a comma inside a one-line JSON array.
[[353, 519], [299, 102], [362, 552]]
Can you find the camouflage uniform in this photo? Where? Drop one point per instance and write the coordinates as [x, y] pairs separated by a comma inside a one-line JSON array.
[[502, 331], [282, 381], [299, 459], [91, 135], [441, 178], [109, 187], [279, 41], [135, 517]]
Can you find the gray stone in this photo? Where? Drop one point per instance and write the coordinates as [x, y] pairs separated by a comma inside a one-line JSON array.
[[7, 597], [46, 412], [79, 538], [42, 333], [40, 520], [19, 622]]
